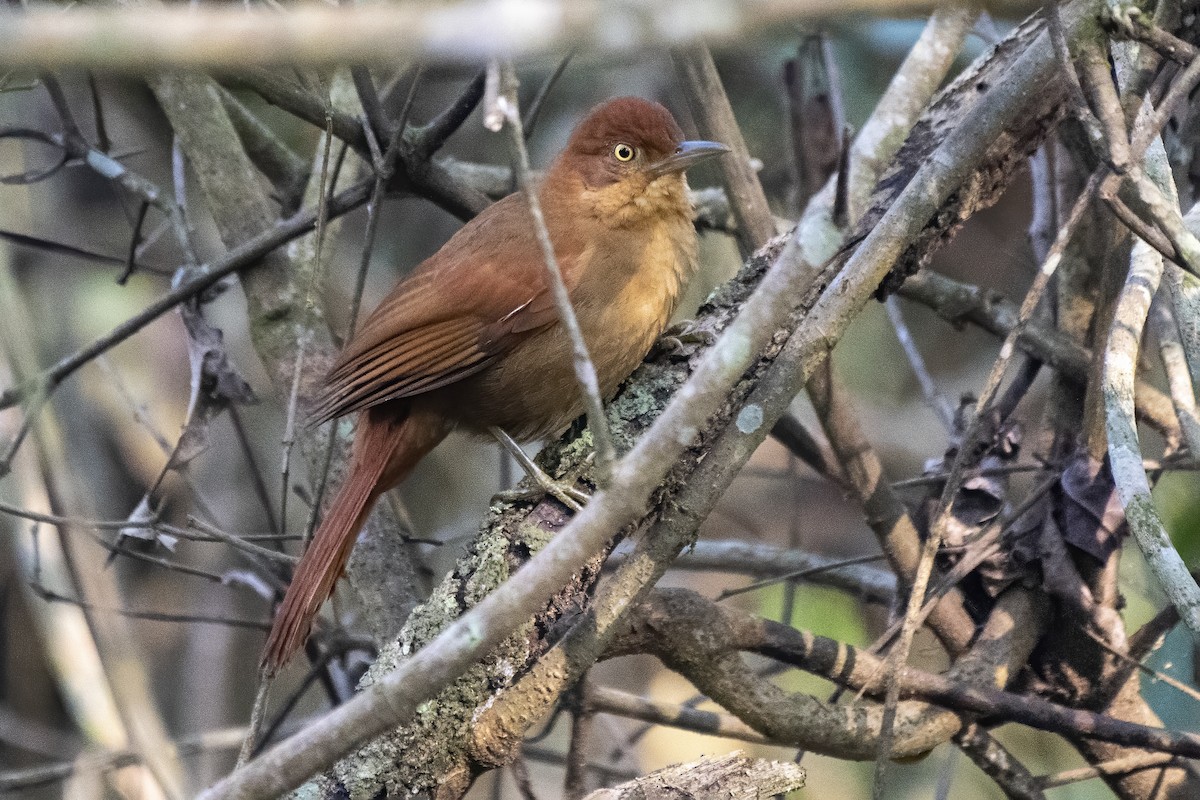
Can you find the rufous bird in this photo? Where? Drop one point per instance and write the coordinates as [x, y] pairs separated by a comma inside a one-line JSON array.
[[471, 339]]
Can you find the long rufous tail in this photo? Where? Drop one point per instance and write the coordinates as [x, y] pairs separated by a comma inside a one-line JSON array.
[[387, 445]]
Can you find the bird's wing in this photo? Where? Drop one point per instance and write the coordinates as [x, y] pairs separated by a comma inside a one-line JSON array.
[[452, 318]]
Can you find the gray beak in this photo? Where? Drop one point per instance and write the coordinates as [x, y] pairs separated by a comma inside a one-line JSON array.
[[687, 155]]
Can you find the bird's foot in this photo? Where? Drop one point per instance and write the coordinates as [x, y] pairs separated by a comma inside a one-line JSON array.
[[565, 493], [683, 338]]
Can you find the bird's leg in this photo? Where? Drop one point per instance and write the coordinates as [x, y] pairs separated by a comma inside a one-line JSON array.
[[676, 338], [569, 496]]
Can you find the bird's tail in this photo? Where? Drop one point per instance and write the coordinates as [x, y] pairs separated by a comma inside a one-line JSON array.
[[387, 445]]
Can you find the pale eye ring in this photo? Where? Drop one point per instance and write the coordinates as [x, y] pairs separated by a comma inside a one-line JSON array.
[[624, 152]]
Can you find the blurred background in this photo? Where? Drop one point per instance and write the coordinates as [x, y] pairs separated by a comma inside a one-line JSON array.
[[118, 416]]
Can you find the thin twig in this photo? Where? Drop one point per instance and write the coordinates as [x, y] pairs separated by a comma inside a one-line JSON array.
[[289, 432], [158, 616], [257, 714], [69, 522], [534, 111], [1157, 675], [368, 97], [245, 255], [675, 715], [383, 173], [1118, 766], [324, 187], [800, 574], [239, 543], [135, 241], [406, 110], [933, 398], [871, 584], [102, 140], [256, 473], [508, 111]]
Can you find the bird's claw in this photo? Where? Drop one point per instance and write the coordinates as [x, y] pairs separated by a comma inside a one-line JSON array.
[[566, 494], [684, 338], [690, 332]]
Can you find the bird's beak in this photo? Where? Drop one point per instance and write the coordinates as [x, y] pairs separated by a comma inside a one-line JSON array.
[[687, 155]]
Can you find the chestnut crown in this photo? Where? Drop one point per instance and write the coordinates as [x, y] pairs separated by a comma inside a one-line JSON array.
[[629, 135]]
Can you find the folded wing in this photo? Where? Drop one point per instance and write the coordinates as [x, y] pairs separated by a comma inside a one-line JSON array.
[[447, 321]]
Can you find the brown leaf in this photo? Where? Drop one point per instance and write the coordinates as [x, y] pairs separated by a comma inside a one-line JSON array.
[[216, 384], [1091, 516]]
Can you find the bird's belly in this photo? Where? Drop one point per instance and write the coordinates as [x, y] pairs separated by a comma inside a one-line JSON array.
[[531, 392]]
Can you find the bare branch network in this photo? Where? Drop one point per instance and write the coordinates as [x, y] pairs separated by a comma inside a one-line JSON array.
[[830, 597]]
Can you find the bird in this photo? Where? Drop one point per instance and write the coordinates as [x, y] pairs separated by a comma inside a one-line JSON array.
[[471, 338]]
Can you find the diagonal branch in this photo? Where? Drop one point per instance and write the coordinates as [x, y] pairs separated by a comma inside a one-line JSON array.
[[1124, 450]]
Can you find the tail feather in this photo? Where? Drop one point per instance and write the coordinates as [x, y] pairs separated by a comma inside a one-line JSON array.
[[387, 445]]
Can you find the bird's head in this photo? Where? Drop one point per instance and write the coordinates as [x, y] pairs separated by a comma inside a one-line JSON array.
[[629, 154]]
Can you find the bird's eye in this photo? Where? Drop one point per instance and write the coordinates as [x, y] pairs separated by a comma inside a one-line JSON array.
[[624, 152]]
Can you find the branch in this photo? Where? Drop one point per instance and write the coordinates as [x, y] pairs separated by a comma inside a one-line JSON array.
[[711, 723], [468, 32], [699, 651], [714, 117], [703, 641], [998, 763], [962, 302], [906, 100], [765, 561], [731, 777], [1124, 451]]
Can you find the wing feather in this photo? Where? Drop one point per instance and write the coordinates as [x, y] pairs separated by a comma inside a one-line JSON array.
[[401, 369], [415, 351], [455, 315]]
